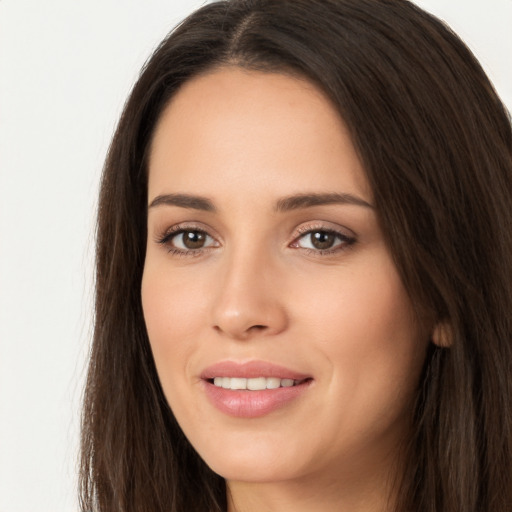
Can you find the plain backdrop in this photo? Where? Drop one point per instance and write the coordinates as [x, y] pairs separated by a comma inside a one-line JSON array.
[[66, 68]]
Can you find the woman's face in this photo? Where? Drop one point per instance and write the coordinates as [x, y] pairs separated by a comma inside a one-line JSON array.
[[266, 268]]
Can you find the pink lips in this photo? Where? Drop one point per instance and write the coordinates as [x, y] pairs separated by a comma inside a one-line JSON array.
[[252, 404]]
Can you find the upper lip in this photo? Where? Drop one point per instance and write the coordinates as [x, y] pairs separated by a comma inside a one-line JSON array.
[[250, 369]]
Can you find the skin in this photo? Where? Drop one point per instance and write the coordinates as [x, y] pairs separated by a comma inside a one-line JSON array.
[[260, 290]]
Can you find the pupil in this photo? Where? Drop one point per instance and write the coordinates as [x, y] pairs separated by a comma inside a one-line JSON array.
[[193, 239], [322, 240]]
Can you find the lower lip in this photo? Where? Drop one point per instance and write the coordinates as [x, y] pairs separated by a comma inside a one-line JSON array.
[[252, 404]]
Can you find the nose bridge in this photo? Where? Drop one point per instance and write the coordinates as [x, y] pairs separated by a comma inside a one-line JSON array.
[[247, 299]]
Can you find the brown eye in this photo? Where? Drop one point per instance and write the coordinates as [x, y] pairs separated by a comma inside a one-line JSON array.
[[191, 240], [323, 240]]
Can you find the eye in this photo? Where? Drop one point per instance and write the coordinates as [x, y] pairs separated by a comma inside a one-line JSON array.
[[184, 240], [323, 240]]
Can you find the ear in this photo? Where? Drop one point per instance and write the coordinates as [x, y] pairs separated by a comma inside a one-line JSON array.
[[442, 335]]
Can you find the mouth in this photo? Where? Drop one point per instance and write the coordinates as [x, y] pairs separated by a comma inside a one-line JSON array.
[[253, 389], [255, 383]]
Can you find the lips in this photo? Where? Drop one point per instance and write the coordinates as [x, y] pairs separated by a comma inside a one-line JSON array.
[[251, 369], [252, 389]]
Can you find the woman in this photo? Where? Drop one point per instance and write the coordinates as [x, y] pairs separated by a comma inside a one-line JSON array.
[[303, 270]]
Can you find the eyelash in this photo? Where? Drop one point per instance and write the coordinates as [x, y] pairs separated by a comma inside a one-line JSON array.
[[346, 240], [170, 234], [179, 229]]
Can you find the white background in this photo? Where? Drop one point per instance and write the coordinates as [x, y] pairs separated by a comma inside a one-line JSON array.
[[66, 68]]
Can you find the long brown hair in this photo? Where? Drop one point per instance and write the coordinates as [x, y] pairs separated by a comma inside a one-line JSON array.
[[436, 144]]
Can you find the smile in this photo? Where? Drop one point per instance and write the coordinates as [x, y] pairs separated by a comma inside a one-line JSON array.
[[254, 384], [252, 389]]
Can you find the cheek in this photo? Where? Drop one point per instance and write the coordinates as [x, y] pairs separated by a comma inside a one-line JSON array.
[[173, 309], [364, 325], [362, 305]]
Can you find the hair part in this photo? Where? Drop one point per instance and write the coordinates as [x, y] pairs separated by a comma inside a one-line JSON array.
[[436, 145]]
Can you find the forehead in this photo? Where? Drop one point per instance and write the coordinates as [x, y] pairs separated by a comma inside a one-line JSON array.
[[248, 126]]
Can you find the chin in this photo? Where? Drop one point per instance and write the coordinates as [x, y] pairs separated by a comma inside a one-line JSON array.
[[236, 470], [255, 461]]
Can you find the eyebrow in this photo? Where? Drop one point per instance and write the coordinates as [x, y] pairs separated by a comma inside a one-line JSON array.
[[184, 201], [298, 201], [294, 202]]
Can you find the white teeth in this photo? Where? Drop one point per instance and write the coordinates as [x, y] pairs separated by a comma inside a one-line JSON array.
[[257, 384], [253, 384], [273, 383], [237, 383]]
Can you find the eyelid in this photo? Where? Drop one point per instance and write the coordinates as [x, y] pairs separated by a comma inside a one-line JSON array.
[[167, 233], [347, 236], [307, 227]]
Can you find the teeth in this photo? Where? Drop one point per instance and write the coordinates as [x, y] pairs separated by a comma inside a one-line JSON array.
[[273, 383], [254, 384], [257, 384], [238, 383]]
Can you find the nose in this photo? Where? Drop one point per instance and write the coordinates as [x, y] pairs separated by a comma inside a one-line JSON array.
[[249, 301]]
